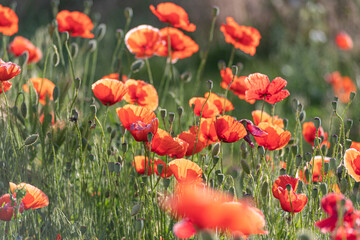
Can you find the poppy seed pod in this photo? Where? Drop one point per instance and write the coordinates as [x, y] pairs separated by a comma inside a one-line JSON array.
[[124, 147], [317, 122], [288, 187], [180, 111], [150, 136], [302, 116], [171, 117], [137, 65], [77, 82], [314, 193], [323, 188], [163, 114]]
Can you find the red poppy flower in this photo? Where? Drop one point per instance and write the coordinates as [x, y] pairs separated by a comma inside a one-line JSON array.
[[166, 171], [344, 41], [115, 76], [141, 165], [259, 116], [8, 21], [352, 163], [175, 15], [8, 70], [6, 208], [185, 171], [205, 208], [182, 46], [190, 139], [164, 144], [316, 164], [342, 86], [207, 131], [143, 41], [332, 205], [209, 110], [44, 88], [142, 94], [238, 86], [260, 87], [289, 201], [219, 102], [309, 133], [6, 85], [242, 37], [76, 23], [34, 197], [20, 45], [355, 145], [276, 139], [229, 130], [109, 91], [138, 120]]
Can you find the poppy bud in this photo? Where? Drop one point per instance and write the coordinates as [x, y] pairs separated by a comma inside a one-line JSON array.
[[326, 167], [339, 171], [215, 11], [24, 58], [264, 188], [348, 143], [352, 96], [180, 111], [221, 64], [285, 121], [294, 149], [111, 166], [109, 129], [108, 152], [216, 149], [113, 134], [56, 93], [93, 111], [240, 66], [75, 116], [166, 182], [124, 147], [317, 142], [335, 138], [210, 84], [333, 164], [128, 12], [186, 77], [282, 171], [23, 109], [117, 167], [314, 193], [137, 65], [215, 160], [160, 168], [299, 186], [307, 174], [245, 166], [232, 190], [92, 157], [343, 186], [308, 157], [298, 160], [349, 124], [220, 178], [139, 225], [317, 122], [150, 136], [163, 113], [100, 31], [119, 33], [74, 49], [77, 82], [122, 130], [92, 45], [334, 105], [323, 148], [261, 151], [299, 107], [323, 188], [234, 70], [135, 209], [171, 117], [288, 187], [30, 140], [302, 116]]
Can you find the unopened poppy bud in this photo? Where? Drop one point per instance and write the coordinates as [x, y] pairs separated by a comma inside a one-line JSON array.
[[323, 188], [294, 149], [314, 193], [245, 166], [77, 82], [117, 168], [137, 65], [49, 135], [348, 143], [23, 109], [264, 188], [334, 105], [128, 12], [307, 175], [220, 178], [122, 130], [339, 171], [163, 113], [300, 107], [298, 160], [166, 182], [124, 147], [240, 66], [55, 3], [92, 157], [323, 148], [287, 150], [109, 129], [234, 70], [100, 31], [308, 157], [108, 152], [221, 64], [215, 160], [216, 149], [139, 225], [74, 49], [302, 116], [171, 117], [56, 93], [349, 123], [215, 11], [232, 190], [285, 121], [111, 166], [92, 45], [119, 33], [186, 77], [343, 187], [30, 140], [335, 138], [299, 186], [282, 171], [135, 209], [326, 167], [75, 116], [160, 168], [24, 58], [261, 151], [333, 164], [113, 134], [150, 136], [352, 96], [180, 111], [317, 122], [317, 142], [288, 187], [210, 84], [93, 111]]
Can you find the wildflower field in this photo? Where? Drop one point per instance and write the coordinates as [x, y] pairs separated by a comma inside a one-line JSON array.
[[156, 126]]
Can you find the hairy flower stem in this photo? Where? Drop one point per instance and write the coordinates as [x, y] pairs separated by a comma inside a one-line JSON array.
[[5, 54]]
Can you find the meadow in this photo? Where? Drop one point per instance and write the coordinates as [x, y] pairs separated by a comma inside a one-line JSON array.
[[169, 129]]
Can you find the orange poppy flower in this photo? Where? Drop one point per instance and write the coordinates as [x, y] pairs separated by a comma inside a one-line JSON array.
[[44, 88], [109, 91], [8, 21], [138, 120], [20, 45], [175, 15], [316, 163], [342, 86], [259, 116], [205, 208], [344, 41], [219, 102], [242, 37], [115, 76], [210, 110], [142, 94], [141, 165], [229, 130], [260, 87], [182, 46], [276, 139], [143, 41], [309, 133], [6, 85], [164, 144], [34, 197], [8, 70], [355, 145], [352, 163], [77, 24], [166, 172], [190, 139], [185, 171], [289, 201], [207, 131], [238, 86], [6, 208]]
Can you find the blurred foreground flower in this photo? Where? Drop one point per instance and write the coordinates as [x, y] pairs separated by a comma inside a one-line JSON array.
[[173, 14], [344, 41], [44, 88], [202, 208], [20, 45], [8, 21], [342, 86], [109, 91], [76, 23]]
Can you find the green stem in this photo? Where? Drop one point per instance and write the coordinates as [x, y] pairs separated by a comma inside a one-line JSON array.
[[149, 71]]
